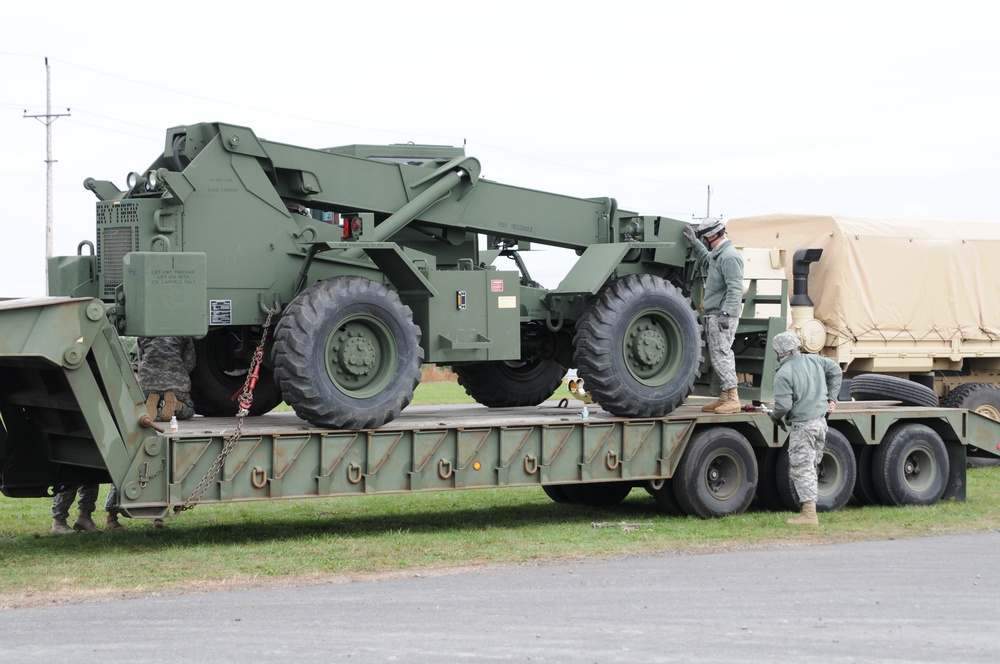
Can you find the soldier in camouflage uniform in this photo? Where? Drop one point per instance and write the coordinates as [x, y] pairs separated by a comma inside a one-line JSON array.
[[165, 376], [805, 392], [721, 303], [62, 501]]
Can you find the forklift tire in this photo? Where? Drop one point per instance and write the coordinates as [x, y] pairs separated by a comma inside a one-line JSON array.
[[638, 347], [219, 375], [502, 384], [982, 398], [347, 354]]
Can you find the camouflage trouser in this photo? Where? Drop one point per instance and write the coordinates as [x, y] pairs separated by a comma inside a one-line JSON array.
[[720, 351], [62, 501], [111, 502], [806, 441], [165, 366]]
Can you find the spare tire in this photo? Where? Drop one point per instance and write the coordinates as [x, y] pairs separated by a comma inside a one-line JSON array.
[[876, 387]]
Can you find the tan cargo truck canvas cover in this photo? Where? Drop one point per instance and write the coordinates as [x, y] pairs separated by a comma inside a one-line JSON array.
[[933, 286]]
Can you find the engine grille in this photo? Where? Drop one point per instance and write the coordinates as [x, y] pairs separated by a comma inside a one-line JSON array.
[[117, 235]]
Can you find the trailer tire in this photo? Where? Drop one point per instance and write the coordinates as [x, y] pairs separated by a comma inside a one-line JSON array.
[[982, 398], [556, 492], [638, 347], [767, 481], [836, 476], [717, 475], [864, 484], [598, 494], [911, 466], [347, 354], [664, 494], [218, 376], [876, 387], [504, 384]]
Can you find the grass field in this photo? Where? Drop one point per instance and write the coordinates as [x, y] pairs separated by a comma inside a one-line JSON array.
[[305, 541]]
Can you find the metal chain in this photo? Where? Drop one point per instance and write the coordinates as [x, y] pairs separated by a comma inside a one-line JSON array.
[[246, 401]]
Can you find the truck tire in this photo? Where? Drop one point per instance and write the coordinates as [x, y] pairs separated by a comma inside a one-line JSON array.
[[219, 374], [510, 384], [663, 493], [982, 398], [717, 475], [557, 492], [836, 476], [598, 494], [638, 346], [864, 484], [767, 480], [876, 387], [911, 466], [347, 354]]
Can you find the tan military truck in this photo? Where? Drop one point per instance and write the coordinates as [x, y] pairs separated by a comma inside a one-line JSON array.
[[909, 308]]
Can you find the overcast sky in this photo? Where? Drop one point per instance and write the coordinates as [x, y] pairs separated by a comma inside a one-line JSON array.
[[870, 108]]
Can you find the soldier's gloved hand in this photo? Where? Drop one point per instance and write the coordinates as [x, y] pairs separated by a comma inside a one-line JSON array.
[[689, 234], [724, 321], [778, 422]]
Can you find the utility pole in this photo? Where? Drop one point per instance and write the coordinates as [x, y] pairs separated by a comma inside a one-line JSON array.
[[47, 120], [708, 207]]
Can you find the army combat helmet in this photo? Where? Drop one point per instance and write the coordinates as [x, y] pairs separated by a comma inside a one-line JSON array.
[[710, 227], [785, 344]]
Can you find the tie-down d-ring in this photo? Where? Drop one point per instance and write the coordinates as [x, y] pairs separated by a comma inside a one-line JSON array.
[[612, 461], [258, 477], [530, 464], [445, 469], [353, 473]]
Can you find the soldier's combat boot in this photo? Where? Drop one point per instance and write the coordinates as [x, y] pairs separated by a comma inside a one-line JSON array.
[[85, 523], [710, 407], [111, 522], [170, 406], [60, 527], [805, 518], [730, 403], [153, 405]]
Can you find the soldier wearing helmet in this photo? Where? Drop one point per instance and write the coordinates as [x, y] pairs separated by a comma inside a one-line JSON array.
[[805, 392], [721, 304]]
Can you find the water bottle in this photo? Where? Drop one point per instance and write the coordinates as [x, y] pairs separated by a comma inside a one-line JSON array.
[[585, 414], [173, 423]]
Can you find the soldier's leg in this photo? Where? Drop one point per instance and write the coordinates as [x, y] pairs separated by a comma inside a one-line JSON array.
[[87, 504]]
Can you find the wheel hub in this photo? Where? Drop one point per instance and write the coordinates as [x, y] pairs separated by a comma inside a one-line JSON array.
[[357, 356]]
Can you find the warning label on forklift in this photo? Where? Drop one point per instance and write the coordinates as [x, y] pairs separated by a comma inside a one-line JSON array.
[[496, 285], [220, 312]]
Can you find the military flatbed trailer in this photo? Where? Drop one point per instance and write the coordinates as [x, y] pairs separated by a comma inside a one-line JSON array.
[[73, 412]]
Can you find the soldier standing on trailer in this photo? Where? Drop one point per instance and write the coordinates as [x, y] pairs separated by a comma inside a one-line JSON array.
[[805, 393], [721, 303]]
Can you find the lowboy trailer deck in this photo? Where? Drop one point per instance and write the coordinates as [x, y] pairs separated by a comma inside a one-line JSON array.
[[72, 412]]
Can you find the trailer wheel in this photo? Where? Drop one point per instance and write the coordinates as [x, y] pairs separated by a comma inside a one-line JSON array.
[[767, 481], [864, 484], [638, 346], [911, 466], [665, 496], [347, 354], [717, 475], [220, 371], [982, 398], [557, 492], [876, 387], [835, 476], [598, 494], [510, 384]]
